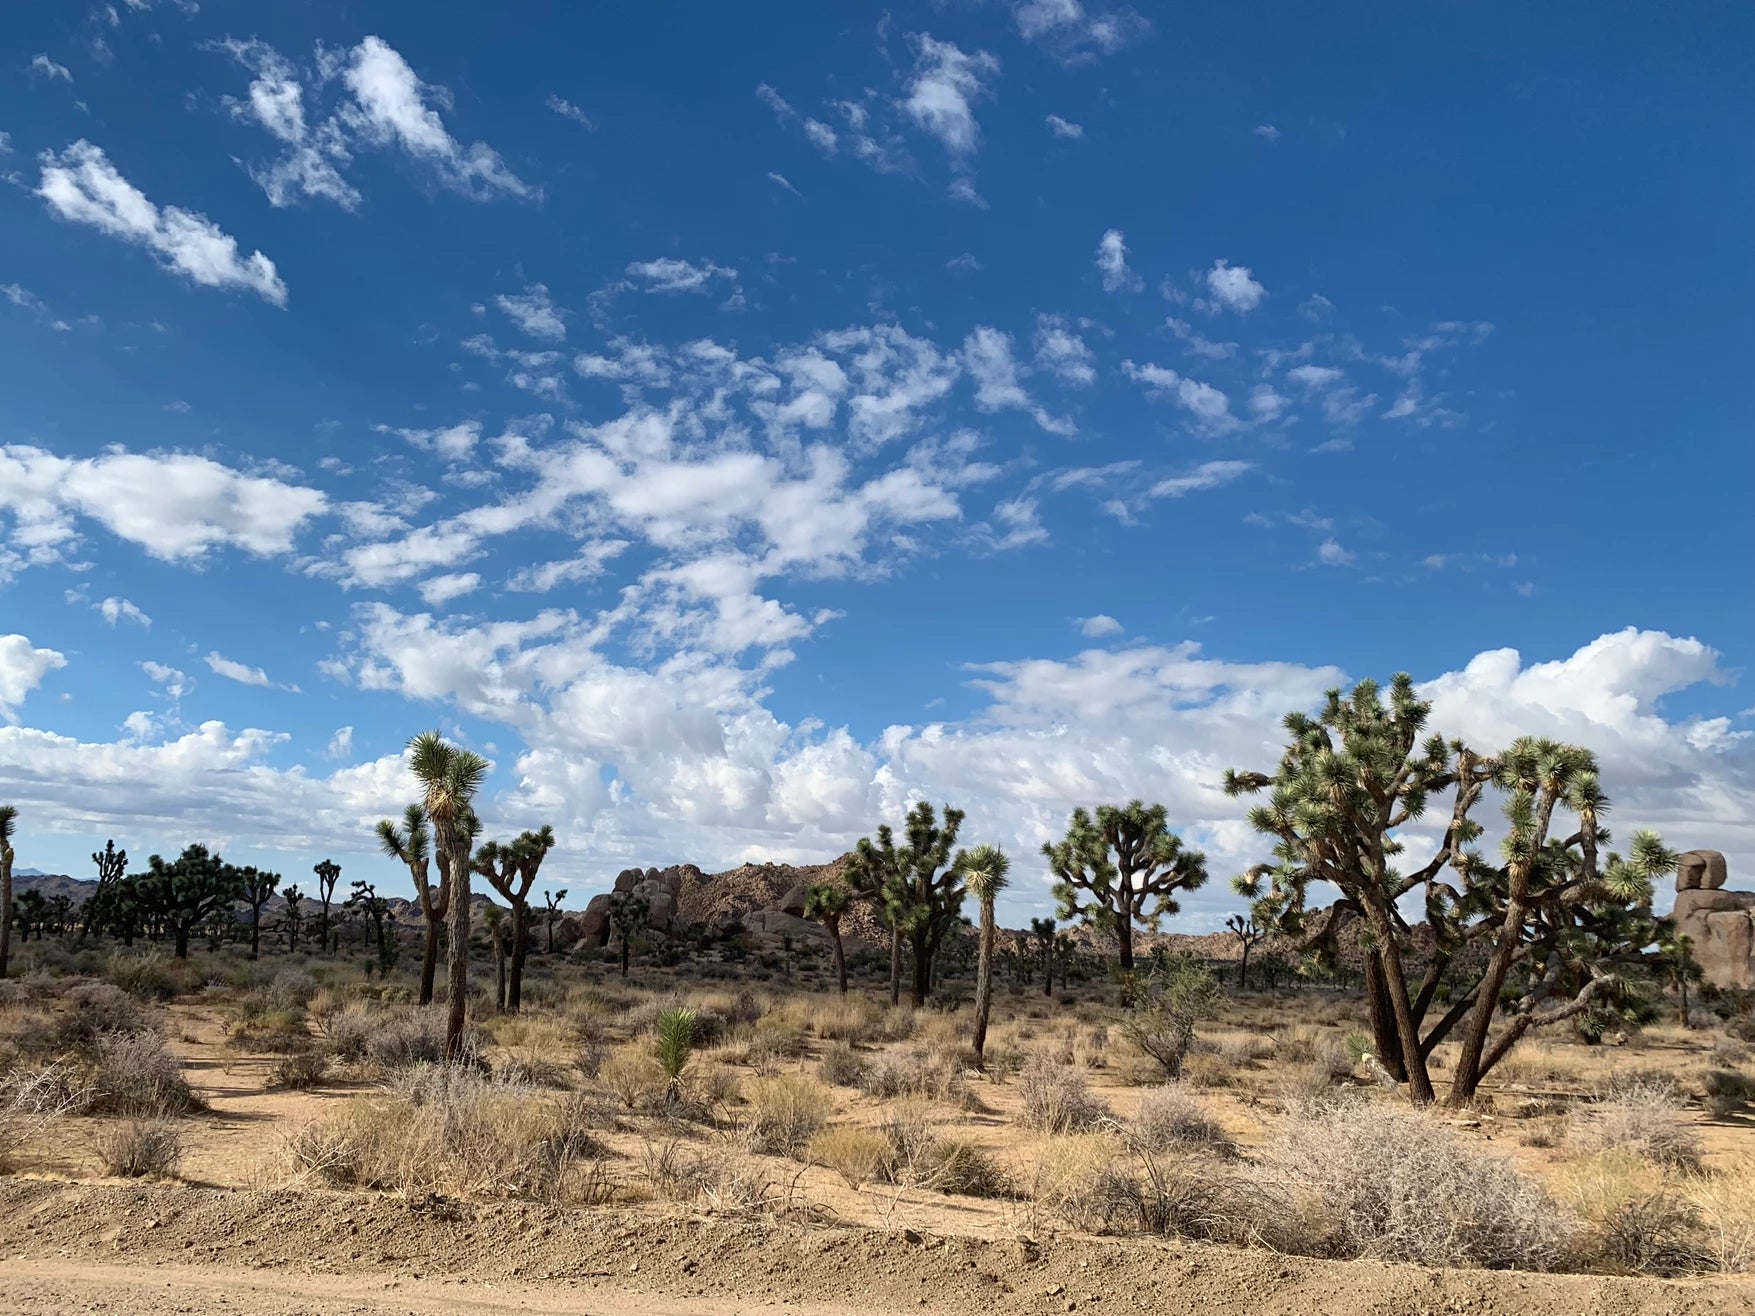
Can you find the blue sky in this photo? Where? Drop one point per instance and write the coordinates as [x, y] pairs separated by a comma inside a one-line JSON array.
[[739, 423]]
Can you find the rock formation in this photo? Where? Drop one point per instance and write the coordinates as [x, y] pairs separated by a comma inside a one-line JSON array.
[[1720, 923]]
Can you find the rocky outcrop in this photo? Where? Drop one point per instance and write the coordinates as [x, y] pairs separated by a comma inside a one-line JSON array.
[[1719, 923]]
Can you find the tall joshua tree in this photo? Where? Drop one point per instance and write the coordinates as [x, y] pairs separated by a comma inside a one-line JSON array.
[[258, 888], [918, 886], [294, 916], [511, 870], [8, 822], [1043, 930], [449, 778], [328, 874], [411, 844], [189, 891], [1248, 936], [551, 913], [112, 864], [826, 902], [628, 912], [1122, 867], [984, 875]]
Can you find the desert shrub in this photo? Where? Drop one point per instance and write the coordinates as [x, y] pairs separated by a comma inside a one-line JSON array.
[[91, 1011], [1645, 1119], [408, 1038], [450, 1129], [785, 1112], [137, 1148], [961, 1168], [774, 1038], [151, 974], [633, 1074], [274, 1029], [1658, 1233], [916, 1071], [897, 1024], [1056, 1097], [299, 1070], [1081, 1179], [1169, 1117], [1397, 1185], [1168, 1002], [1728, 1051], [842, 1066], [31, 1100], [135, 1074], [1726, 1091], [717, 1086], [532, 1068], [858, 1155], [674, 1036], [847, 1019], [346, 1027]]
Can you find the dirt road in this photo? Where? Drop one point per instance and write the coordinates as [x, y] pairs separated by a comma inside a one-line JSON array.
[[171, 1248]]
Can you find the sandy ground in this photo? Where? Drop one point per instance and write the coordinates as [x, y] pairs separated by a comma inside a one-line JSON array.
[[176, 1248]]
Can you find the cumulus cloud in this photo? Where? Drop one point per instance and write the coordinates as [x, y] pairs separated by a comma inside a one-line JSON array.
[[81, 186], [1112, 263], [1209, 406], [176, 506], [1065, 128], [669, 274], [1233, 287], [1100, 627], [116, 610], [440, 590], [22, 669], [42, 66], [534, 312], [1062, 353], [1330, 553], [988, 357], [946, 80], [1074, 33], [452, 442]]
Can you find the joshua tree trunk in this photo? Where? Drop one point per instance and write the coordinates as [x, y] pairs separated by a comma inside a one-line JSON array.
[[429, 962], [625, 940], [1048, 970], [520, 935], [895, 966], [499, 936], [922, 983], [6, 855], [457, 858], [840, 953], [1243, 970], [984, 981], [1384, 1038], [182, 935]]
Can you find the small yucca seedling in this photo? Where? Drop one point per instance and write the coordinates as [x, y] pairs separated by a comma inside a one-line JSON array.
[[676, 1046]]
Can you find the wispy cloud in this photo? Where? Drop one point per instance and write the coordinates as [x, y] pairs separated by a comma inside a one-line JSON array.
[[1112, 263], [82, 186], [1065, 128], [42, 66], [567, 110], [534, 312]]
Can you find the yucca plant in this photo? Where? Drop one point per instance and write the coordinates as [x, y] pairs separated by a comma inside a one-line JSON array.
[[676, 1047]]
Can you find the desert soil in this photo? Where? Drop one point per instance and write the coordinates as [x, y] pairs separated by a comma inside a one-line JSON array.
[[177, 1248]]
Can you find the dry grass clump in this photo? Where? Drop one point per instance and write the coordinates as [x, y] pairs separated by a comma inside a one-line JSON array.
[[916, 1071], [1644, 1118], [1056, 1097], [1397, 1185], [299, 1071], [849, 1019], [151, 974], [784, 1113], [1170, 1117], [1726, 1092], [138, 1148], [960, 1167], [135, 1074], [842, 1066], [858, 1155], [632, 1073], [89, 1012], [452, 1130], [31, 1101], [1109, 1183]]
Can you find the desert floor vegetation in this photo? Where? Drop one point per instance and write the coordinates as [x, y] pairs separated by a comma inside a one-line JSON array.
[[664, 1090]]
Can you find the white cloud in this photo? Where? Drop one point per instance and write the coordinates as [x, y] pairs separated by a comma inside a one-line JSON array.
[[782, 182], [452, 442], [1234, 287], [534, 313], [987, 356], [567, 110], [945, 81], [1210, 407], [1112, 263], [1208, 475], [1075, 34], [1062, 352], [116, 610], [439, 590], [82, 186], [1315, 377], [1267, 404], [235, 671], [1267, 131], [22, 669], [1330, 553], [1199, 343], [176, 506], [174, 682], [1100, 627], [669, 274], [341, 744], [1065, 128], [390, 106], [43, 67]]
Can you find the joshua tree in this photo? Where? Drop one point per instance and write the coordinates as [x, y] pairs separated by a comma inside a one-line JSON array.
[[551, 902], [676, 1046], [31, 913], [258, 891], [1043, 929], [920, 888], [188, 891], [1533, 941], [411, 844], [1064, 949], [8, 821], [826, 902], [368, 905], [984, 874], [511, 870], [294, 917], [1110, 866], [1248, 937], [495, 919], [449, 779], [628, 911], [328, 874], [111, 865]]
